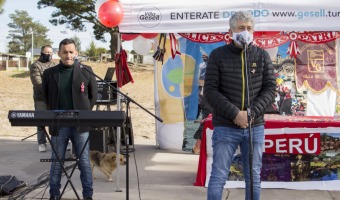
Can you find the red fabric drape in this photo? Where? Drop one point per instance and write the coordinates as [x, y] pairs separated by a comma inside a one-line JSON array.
[[123, 74]]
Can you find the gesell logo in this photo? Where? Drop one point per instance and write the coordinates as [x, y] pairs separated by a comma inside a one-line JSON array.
[[149, 17]]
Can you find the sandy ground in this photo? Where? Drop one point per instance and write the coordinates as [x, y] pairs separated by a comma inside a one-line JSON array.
[[16, 94]]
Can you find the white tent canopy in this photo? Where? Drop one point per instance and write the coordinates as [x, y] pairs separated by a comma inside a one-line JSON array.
[[178, 16]]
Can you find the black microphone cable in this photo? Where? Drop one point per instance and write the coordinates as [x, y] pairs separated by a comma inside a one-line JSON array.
[[42, 182]]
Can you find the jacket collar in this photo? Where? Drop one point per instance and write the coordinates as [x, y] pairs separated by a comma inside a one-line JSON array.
[[238, 50], [76, 71]]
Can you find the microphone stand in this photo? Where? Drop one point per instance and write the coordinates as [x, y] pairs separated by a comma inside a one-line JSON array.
[[128, 100], [250, 138]]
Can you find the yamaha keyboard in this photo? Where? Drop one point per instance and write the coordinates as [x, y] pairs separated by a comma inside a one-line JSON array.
[[72, 118]]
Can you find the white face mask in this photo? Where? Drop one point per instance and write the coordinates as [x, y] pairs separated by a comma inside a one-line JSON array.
[[243, 37]]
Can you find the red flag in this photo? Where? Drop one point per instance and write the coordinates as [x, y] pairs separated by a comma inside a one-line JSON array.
[[123, 74]]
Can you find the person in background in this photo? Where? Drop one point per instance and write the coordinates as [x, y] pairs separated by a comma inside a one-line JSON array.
[[36, 71], [67, 86], [203, 106], [225, 90], [203, 67]]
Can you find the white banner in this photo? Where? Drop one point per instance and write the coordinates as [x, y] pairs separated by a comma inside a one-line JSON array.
[[180, 16]]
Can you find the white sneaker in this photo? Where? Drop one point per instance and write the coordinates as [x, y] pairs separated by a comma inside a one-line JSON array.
[[69, 146], [42, 147]]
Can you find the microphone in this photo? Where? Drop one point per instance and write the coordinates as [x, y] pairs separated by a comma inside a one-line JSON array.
[[76, 62], [75, 59], [241, 39]]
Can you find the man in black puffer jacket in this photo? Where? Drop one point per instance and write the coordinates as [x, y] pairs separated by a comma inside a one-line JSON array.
[[225, 89]]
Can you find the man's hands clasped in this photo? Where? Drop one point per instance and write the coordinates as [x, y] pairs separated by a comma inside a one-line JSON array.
[[241, 119]]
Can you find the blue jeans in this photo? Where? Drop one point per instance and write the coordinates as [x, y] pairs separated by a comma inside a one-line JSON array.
[[225, 141], [60, 144]]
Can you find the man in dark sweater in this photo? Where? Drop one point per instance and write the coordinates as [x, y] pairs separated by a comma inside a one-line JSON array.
[[68, 87], [225, 90]]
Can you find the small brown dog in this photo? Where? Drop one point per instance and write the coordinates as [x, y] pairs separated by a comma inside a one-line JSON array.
[[105, 162]]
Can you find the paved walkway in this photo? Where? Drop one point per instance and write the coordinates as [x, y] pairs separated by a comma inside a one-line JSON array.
[[162, 175]]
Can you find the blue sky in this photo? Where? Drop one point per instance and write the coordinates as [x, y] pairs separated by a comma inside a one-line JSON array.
[[55, 33]]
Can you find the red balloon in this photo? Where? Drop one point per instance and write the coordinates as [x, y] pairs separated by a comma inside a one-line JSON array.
[[110, 14], [128, 37], [149, 35]]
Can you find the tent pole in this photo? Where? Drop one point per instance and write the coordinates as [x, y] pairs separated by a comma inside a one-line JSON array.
[[118, 128]]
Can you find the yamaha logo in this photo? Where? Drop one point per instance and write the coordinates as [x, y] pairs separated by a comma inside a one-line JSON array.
[[13, 115], [149, 17], [22, 115]]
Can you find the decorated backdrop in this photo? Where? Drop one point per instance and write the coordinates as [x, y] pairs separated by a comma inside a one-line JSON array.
[[304, 63], [302, 40]]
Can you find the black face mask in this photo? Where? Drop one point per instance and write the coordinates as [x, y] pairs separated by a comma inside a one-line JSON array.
[[46, 57]]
